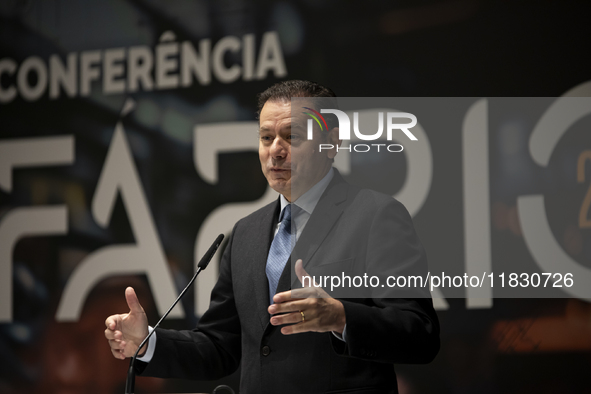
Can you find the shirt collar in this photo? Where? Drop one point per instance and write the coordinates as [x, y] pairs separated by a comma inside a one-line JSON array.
[[307, 201]]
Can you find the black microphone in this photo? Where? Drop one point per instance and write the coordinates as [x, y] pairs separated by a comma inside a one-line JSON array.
[[130, 383]]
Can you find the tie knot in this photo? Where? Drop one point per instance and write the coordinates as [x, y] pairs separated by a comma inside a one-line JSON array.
[[286, 213]]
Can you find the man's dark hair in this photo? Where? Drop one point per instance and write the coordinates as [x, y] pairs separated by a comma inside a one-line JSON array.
[[284, 91]]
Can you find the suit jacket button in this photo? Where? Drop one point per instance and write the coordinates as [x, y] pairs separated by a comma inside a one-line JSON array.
[[266, 350]]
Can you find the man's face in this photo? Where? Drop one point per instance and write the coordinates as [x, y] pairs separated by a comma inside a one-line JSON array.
[[291, 163]]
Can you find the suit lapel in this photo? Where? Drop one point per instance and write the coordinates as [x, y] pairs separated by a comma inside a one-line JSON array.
[[325, 215], [262, 244]]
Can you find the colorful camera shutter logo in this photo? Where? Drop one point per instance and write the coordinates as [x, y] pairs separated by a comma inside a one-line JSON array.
[[315, 115]]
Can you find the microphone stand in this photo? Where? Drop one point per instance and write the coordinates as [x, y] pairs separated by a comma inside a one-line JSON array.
[[130, 383]]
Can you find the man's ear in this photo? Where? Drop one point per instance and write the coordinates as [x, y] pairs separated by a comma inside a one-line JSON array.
[[333, 139]]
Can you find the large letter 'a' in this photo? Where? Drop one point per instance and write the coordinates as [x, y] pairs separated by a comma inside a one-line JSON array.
[[146, 256]]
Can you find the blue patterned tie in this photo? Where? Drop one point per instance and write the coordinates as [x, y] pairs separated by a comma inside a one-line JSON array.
[[280, 250]]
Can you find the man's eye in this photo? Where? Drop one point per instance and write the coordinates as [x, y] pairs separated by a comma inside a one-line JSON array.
[[293, 137], [265, 138]]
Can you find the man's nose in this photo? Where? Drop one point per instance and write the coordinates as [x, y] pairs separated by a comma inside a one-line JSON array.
[[279, 148]]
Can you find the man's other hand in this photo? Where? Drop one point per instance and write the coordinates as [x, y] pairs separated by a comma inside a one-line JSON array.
[[307, 309], [125, 332]]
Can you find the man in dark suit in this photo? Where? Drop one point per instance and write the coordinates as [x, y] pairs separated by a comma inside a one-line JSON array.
[[285, 342]]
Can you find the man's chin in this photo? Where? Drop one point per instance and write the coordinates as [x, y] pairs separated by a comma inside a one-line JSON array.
[[281, 186]]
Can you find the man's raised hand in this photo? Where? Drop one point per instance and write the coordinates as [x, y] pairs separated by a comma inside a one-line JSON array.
[[126, 331], [310, 307]]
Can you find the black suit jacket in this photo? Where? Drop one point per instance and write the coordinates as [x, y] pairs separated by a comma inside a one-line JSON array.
[[351, 225]]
